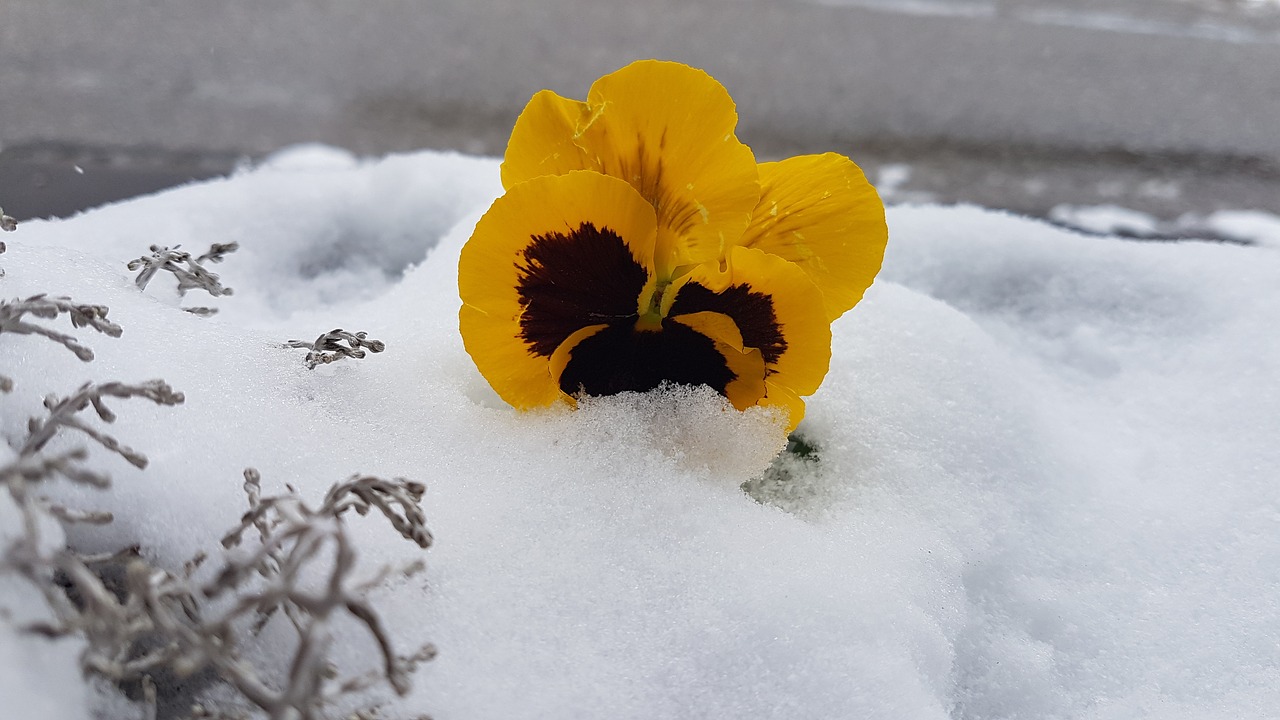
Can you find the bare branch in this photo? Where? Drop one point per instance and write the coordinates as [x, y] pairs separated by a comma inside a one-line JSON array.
[[328, 347]]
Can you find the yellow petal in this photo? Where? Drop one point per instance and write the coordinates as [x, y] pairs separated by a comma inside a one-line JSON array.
[[521, 380], [664, 127], [782, 397], [552, 256], [819, 212], [542, 142], [747, 364], [777, 310], [563, 354]]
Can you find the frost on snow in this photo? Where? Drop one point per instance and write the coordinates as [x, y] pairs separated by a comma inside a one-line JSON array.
[[1042, 478]]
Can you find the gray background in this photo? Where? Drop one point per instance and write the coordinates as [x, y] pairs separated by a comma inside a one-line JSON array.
[[1002, 103]]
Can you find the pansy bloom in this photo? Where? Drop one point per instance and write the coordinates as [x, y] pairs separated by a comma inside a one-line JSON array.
[[639, 242]]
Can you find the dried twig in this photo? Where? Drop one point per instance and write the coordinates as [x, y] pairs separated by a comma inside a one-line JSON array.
[[64, 412], [328, 347], [192, 277], [160, 623], [29, 554], [291, 536], [149, 627], [31, 466], [218, 252], [189, 626], [42, 306]]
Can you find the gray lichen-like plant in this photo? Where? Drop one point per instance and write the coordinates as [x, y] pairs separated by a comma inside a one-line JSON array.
[[64, 413], [291, 536], [31, 465], [7, 224], [154, 623], [146, 627], [13, 314], [161, 622], [28, 554], [329, 347], [190, 272]]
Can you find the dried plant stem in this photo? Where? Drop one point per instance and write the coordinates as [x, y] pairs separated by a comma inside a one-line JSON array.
[[64, 412], [165, 622], [189, 271], [329, 348], [13, 312], [141, 623]]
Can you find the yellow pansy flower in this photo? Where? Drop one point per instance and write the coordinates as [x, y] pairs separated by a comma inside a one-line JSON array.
[[639, 242]]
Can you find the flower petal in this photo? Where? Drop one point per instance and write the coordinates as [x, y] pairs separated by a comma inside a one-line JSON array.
[[819, 212], [664, 127], [620, 358], [747, 364], [563, 354], [778, 311], [543, 141], [552, 256]]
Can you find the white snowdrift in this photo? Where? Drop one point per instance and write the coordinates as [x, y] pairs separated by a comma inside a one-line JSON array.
[[1047, 483]]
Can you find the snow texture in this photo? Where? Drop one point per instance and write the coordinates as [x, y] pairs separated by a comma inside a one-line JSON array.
[[1045, 483]]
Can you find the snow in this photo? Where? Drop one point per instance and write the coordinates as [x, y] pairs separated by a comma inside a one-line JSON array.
[[1245, 225], [1106, 220], [1250, 227], [1045, 486]]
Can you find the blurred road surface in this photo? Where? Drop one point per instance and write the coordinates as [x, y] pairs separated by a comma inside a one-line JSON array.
[[1168, 105]]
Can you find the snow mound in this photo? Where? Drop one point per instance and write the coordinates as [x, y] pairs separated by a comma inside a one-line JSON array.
[[1042, 480]]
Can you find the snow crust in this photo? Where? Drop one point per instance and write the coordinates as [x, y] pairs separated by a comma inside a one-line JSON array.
[[1045, 485]]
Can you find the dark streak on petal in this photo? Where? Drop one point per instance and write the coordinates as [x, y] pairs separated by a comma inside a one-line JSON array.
[[620, 359], [568, 282], [751, 311]]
